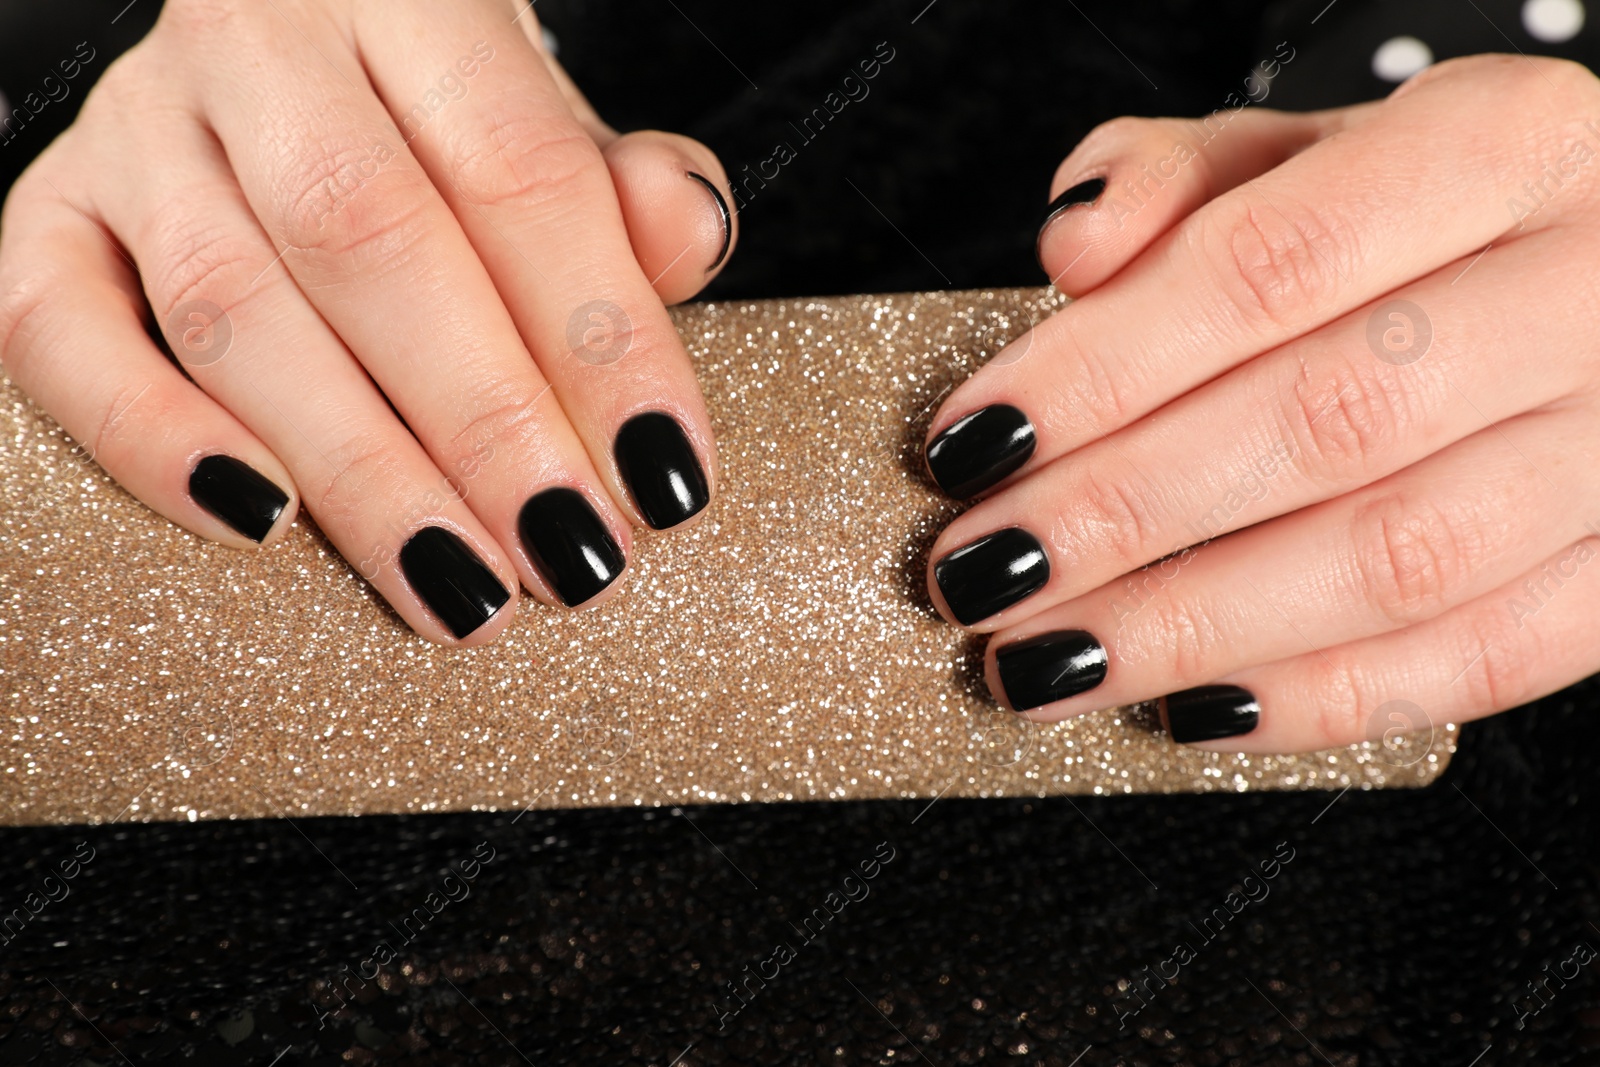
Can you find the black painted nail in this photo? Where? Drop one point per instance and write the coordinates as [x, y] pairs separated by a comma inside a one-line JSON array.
[[1085, 192], [569, 544], [727, 218], [1209, 712], [238, 495], [991, 574], [451, 579], [980, 450], [1050, 667], [660, 468]]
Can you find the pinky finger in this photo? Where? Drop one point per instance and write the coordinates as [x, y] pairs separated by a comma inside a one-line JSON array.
[[74, 341], [1516, 644]]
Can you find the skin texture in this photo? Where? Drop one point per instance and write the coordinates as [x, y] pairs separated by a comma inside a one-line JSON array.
[[410, 277], [1254, 468]]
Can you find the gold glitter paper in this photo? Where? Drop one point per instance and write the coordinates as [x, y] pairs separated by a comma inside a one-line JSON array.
[[784, 649]]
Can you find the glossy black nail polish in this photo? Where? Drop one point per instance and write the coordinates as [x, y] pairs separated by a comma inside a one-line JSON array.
[[238, 495], [451, 579], [980, 450], [991, 574], [1209, 712], [569, 544], [727, 218], [1085, 192], [659, 466], [1050, 667]]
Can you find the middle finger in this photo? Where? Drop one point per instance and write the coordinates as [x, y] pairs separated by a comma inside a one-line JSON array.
[[1321, 416], [535, 197]]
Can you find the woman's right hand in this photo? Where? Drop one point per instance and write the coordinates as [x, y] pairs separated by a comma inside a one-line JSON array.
[[411, 280]]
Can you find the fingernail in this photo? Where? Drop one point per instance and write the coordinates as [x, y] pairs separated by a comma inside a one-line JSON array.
[[660, 469], [1209, 712], [727, 218], [451, 579], [1085, 192], [1050, 667], [238, 495], [980, 450], [991, 574], [569, 544]]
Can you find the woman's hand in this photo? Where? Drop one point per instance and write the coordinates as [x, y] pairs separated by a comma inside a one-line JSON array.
[[1361, 345], [411, 280]]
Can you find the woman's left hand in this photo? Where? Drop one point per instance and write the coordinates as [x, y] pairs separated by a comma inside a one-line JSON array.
[[1313, 454]]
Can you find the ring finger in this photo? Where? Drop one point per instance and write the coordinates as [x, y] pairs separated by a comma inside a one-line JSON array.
[[1408, 548], [534, 195]]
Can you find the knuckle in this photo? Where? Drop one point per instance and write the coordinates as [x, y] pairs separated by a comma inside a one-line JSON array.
[[116, 436], [1276, 263], [201, 19], [1103, 392], [506, 412], [525, 158], [1474, 69], [359, 463], [234, 28], [351, 202], [1501, 661], [1498, 673], [26, 301], [1411, 559], [123, 87], [193, 255], [1187, 635], [1111, 513], [1342, 421], [1341, 698], [1093, 394]]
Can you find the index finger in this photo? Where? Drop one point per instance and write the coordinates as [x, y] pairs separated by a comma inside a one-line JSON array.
[[1421, 184]]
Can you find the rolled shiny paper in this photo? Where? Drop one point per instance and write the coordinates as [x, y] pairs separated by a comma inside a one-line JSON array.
[[782, 649]]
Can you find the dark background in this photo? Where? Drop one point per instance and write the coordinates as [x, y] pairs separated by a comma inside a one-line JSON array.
[[1405, 930]]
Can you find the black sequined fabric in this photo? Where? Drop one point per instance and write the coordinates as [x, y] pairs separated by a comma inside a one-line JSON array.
[[1405, 930]]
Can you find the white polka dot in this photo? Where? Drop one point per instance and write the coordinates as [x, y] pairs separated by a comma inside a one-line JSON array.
[[1553, 21], [1400, 57], [551, 45]]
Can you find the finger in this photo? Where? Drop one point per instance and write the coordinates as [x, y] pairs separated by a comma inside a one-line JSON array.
[[1263, 264], [373, 491], [577, 102], [385, 262], [674, 228], [535, 196], [1405, 549], [1131, 179], [1531, 636], [674, 200], [75, 342], [1319, 417]]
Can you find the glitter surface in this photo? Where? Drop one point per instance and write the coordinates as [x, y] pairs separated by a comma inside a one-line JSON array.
[[783, 649]]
